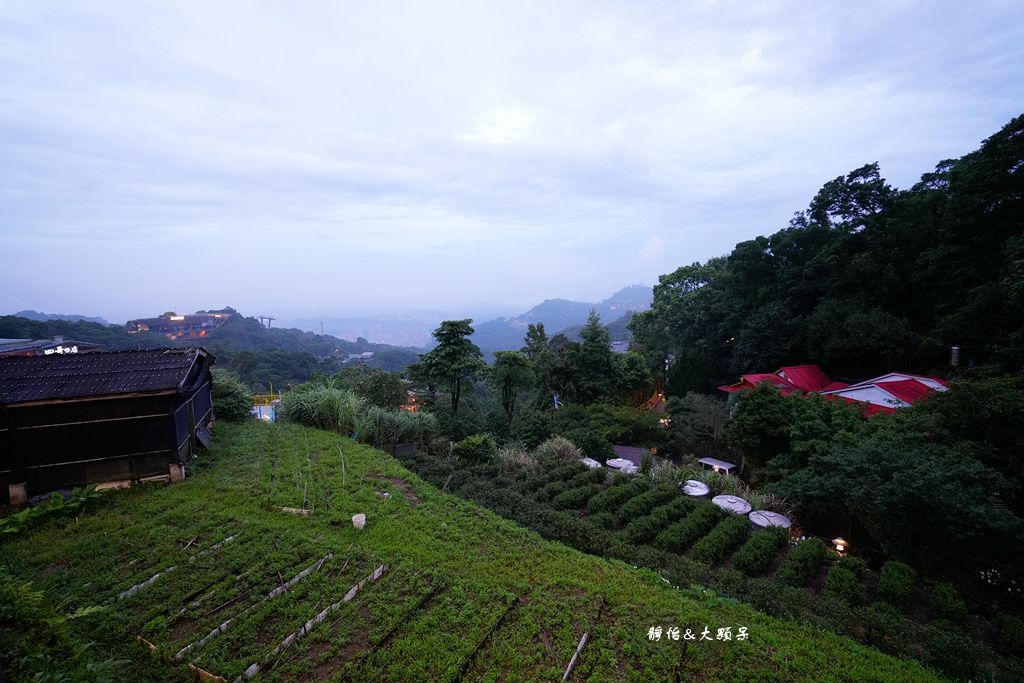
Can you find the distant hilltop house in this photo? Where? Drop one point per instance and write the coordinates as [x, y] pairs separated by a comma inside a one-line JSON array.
[[174, 326], [44, 347], [74, 419], [352, 357], [883, 394]]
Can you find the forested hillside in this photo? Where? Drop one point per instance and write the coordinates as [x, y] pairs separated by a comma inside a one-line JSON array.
[[867, 279]]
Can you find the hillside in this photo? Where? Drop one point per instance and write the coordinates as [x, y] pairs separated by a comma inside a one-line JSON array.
[[504, 334], [464, 594]]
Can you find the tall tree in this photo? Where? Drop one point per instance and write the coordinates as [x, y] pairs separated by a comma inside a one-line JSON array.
[[454, 360], [511, 375], [595, 367]]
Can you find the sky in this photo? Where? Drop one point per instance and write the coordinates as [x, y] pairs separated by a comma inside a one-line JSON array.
[[304, 158]]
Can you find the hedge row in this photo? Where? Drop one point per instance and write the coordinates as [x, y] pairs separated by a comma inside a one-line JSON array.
[[757, 553], [802, 562], [679, 536], [641, 505], [643, 529], [615, 495], [574, 499], [722, 540]]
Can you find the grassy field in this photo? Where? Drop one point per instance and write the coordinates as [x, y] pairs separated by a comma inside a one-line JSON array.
[[464, 594]]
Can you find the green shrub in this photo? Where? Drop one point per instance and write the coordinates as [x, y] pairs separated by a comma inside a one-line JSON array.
[[722, 540], [591, 444], [643, 529], [728, 582], [575, 498], [682, 571], [843, 584], [778, 599], [757, 553], [604, 520], [621, 490], [853, 564], [476, 449], [802, 562], [232, 400], [949, 651], [597, 475], [1011, 634], [564, 472], [896, 583], [946, 604], [550, 490], [888, 630], [642, 504], [679, 536]]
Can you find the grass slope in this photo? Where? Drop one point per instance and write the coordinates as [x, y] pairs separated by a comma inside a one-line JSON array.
[[467, 596]]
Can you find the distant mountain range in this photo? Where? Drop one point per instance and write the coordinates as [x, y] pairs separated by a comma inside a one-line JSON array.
[[46, 317], [562, 315]]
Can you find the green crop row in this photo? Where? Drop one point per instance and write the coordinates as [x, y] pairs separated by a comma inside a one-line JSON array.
[[722, 540], [681, 535]]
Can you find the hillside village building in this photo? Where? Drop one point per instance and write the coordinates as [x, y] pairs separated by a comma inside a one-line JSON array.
[[174, 326], [884, 394]]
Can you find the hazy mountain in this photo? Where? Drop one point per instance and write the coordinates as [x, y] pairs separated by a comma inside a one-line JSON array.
[[504, 334], [46, 317], [617, 329]]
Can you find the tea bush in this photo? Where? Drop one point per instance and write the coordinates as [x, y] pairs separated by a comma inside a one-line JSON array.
[[802, 562], [722, 540], [757, 553], [682, 534], [896, 582]]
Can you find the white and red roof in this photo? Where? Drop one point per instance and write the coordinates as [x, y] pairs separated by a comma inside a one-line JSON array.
[[890, 392], [883, 394]]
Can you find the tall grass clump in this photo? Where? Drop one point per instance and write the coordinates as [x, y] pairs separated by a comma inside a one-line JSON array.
[[379, 427], [557, 449], [323, 407]]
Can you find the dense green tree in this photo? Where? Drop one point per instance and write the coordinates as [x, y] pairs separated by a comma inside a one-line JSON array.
[[867, 279], [510, 376], [454, 361], [595, 364], [380, 388]]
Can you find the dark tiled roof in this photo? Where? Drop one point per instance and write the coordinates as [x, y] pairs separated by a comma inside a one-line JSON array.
[[41, 378]]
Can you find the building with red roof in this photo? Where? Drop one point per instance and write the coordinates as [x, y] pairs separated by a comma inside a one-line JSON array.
[[884, 394]]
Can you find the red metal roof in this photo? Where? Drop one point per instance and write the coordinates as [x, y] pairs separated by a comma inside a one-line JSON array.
[[805, 377], [834, 386], [907, 390]]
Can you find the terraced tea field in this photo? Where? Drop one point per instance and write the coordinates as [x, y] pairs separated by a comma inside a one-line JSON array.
[[213, 574]]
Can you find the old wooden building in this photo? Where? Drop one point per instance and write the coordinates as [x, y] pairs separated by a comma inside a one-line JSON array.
[[69, 420]]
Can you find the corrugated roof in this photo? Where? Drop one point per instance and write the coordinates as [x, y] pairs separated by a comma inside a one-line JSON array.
[[42, 378], [806, 378], [908, 390]]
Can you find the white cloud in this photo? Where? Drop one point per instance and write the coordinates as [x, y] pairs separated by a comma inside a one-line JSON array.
[[495, 155]]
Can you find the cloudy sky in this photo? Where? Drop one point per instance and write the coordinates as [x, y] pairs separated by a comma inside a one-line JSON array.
[[309, 157]]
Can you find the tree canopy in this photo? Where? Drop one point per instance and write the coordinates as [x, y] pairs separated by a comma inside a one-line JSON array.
[[867, 279]]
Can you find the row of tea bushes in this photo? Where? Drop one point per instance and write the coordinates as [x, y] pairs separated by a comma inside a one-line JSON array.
[[643, 529], [681, 535], [754, 557], [722, 540]]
